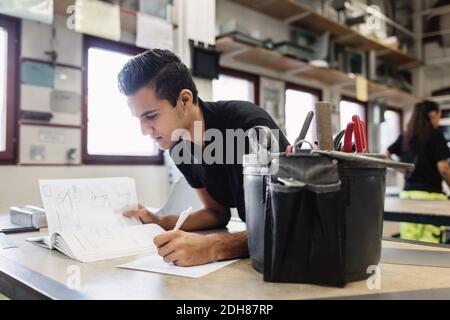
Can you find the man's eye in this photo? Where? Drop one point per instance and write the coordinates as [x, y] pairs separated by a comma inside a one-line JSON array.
[[150, 117]]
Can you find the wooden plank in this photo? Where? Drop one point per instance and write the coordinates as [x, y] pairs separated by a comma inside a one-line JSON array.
[[268, 59], [362, 42], [327, 76], [60, 6], [277, 9], [227, 45], [400, 58], [320, 24]]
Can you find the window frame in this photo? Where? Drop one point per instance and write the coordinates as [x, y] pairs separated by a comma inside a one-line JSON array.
[[245, 76], [300, 87], [12, 27], [95, 42], [364, 104], [400, 112]]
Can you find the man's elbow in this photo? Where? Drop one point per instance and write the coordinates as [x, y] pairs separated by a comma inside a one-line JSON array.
[[224, 218]]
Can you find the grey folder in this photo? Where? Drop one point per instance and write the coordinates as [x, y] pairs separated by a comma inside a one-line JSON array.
[[65, 102]]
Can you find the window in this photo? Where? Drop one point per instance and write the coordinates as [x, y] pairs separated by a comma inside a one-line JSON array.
[[3, 64], [235, 85], [8, 83], [348, 108], [299, 101], [390, 129], [112, 134]]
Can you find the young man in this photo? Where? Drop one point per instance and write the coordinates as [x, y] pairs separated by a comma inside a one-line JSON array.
[[162, 95]]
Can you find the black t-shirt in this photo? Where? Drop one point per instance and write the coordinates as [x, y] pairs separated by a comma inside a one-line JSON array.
[[223, 180], [426, 176]]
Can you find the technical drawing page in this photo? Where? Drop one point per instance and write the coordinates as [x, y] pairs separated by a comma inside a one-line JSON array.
[[104, 243], [85, 204], [155, 263]]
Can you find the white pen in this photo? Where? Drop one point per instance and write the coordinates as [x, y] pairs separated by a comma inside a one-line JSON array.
[[182, 218]]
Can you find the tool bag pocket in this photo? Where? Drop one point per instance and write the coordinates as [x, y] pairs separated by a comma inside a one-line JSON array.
[[304, 234], [363, 191]]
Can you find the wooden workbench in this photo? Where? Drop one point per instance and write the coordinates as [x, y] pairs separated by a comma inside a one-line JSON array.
[[34, 272]]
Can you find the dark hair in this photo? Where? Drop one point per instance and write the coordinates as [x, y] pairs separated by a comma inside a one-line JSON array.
[[160, 69], [419, 127]]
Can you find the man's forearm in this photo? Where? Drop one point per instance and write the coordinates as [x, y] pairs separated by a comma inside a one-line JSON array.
[[446, 177], [226, 246], [444, 170], [199, 220]]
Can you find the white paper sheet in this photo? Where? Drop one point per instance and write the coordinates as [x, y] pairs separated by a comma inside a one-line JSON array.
[[85, 204], [153, 32], [200, 16], [98, 18], [155, 263]]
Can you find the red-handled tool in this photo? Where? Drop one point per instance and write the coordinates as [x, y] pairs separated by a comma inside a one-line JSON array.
[[348, 137], [360, 135], [364, 137], [357, 129]]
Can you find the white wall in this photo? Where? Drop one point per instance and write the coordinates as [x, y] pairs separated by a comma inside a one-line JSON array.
[[19, 184]]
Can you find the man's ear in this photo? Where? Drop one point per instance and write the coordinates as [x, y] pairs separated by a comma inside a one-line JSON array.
[[186, 97]]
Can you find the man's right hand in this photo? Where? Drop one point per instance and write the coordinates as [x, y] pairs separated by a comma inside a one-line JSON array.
[[143, 214]]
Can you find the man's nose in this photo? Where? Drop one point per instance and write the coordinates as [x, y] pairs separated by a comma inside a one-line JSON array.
[[146, 129]]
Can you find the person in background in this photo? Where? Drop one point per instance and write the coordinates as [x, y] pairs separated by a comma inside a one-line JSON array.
[[425, 146]]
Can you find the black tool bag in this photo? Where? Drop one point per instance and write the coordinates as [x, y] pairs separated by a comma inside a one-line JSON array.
[[323, 228]]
